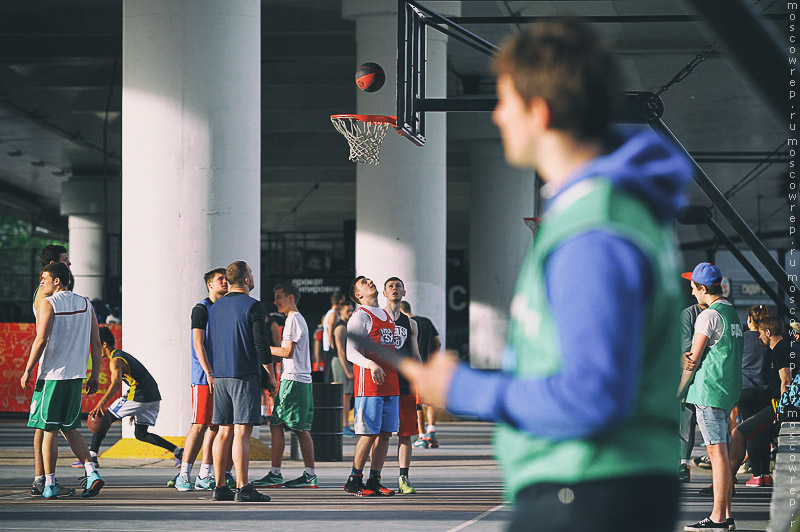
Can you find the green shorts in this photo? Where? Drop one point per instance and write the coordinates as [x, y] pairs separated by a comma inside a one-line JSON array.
[[294, 405], [56, 405]]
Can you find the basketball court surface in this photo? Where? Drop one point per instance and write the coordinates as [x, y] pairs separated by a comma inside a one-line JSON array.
[[459, 488]]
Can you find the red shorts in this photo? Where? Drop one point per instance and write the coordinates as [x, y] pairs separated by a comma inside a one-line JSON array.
[[408, 415], [202, 405]]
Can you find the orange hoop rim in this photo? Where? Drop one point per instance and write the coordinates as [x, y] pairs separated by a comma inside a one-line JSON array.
[[383, 119]]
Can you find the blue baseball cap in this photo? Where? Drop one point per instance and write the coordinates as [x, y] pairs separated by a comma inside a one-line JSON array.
[[704, 273]]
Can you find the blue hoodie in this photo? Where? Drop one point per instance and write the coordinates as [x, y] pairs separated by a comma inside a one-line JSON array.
[[603, 316]]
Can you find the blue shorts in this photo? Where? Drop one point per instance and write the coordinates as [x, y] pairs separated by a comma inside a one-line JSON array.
[[376, 414], [714, 424]]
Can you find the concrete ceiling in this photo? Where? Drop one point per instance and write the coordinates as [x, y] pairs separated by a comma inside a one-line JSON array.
[[60, 105]]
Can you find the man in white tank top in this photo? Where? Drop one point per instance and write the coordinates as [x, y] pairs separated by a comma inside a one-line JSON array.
[[329, 322], [65, 329]]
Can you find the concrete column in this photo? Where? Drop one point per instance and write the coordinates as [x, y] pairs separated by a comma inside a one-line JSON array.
[[500, 197], [85, 199], [191, 195], [401, 204]]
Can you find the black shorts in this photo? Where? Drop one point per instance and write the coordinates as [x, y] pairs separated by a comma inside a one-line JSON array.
[[599, 505]]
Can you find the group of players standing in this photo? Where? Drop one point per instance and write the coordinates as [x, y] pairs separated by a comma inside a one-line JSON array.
[[231, 343]]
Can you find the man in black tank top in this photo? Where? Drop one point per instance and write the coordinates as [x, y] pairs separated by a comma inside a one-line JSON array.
[[405, 343], [140, 398]]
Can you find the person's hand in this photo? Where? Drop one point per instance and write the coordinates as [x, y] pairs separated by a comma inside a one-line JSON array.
[[272, 385], [432, 379], [98, 411], [687, 362], [349, 374], [378, 375], [92, 385], [210, 384], [23, 381]]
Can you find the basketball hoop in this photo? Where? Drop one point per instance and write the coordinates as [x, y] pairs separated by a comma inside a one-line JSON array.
[[365, 134], [532, 223]]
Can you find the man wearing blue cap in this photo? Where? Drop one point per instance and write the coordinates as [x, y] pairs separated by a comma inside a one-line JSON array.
[[716, 358]]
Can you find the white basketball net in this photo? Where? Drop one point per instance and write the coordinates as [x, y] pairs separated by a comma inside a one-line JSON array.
[[365, 138]]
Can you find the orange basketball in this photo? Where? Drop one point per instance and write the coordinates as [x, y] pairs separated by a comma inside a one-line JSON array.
[[370, 77], [99, 424]]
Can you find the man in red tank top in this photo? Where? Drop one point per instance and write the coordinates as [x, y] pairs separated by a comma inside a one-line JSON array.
[[376, 389]]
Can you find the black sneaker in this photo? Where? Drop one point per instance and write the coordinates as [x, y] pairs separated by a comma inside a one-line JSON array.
[[703, 462], [222, 493], [355, 486], [374, 485], [731, 523], [249, 494], [707, 525]]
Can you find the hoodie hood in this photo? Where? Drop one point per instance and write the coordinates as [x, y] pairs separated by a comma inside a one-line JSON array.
[[644, 164]]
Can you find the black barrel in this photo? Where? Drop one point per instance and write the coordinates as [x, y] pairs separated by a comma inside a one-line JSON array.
[[326, 429]]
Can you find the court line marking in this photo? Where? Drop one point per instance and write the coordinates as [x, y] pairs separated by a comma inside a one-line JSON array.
[[476, 519]]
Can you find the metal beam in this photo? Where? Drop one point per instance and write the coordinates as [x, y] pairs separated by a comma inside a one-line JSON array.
[[755, 47], [598, 19], [736, 222]]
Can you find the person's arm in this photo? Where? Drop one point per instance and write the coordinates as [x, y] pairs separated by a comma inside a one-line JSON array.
[[594, 389], [118, 368], [341, 338], [413, 339], [96, 351], [786, 379], [359, 325], [286, 350], [199, 342], [331, 320], [44, 326], [258, 323], [275, 333]]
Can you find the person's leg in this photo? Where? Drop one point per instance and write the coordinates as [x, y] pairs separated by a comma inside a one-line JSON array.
[[306, 448], [38, 462], [241, 453], [221, 450], [278, 444], [687, 427], [363, 447], [346, 398], [722, 481], [141, 432], [78, 445], [194, 441], [404, 452], [380, 451], [50, 451], [208, 444]]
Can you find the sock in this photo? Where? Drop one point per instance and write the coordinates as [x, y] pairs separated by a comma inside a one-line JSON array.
[[355, 471], [404, 471], [685, 462], [93, 455], [50, 479], [422, 435], [311, 471], [373, 473], [186, 468], [37, 479], [431, 428], [88, 466], [204, 470], [275, 470]]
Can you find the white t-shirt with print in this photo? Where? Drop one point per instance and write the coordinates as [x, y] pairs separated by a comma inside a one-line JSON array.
[[297, 368]]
